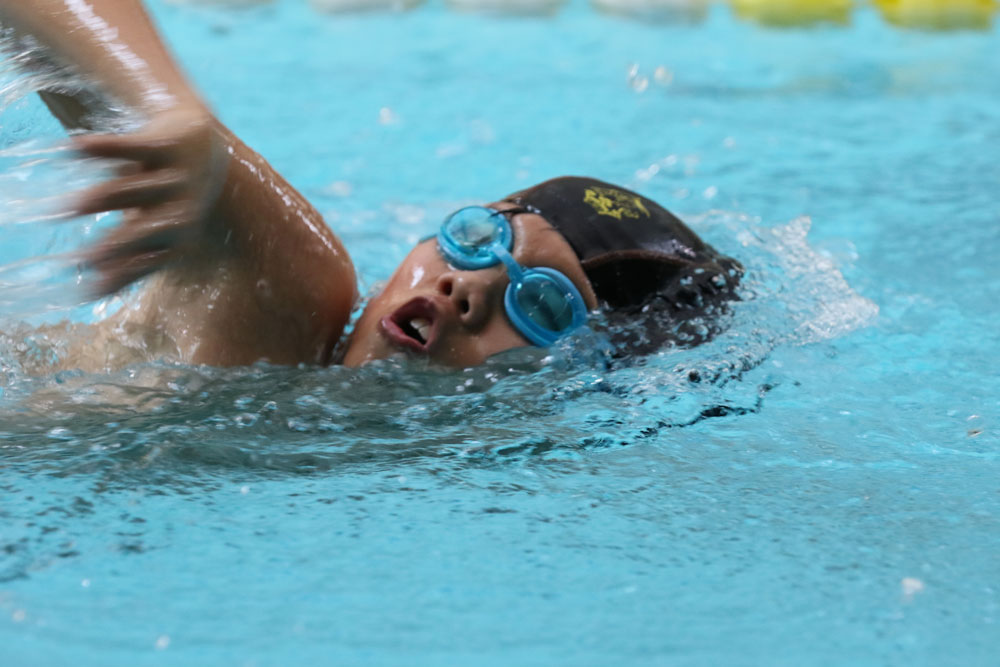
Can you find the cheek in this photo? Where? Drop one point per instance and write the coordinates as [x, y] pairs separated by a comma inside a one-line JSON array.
[[498, 337], [419, 271], [366, 322], [408, 276], [363, 345], [416, 276]]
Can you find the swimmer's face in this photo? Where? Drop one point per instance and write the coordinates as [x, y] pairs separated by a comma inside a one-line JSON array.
[[452, 316]]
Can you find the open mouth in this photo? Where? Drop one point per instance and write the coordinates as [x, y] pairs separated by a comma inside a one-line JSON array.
[[412, 325]]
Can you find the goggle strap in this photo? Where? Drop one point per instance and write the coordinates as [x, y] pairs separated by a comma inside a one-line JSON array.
[[514, 271]]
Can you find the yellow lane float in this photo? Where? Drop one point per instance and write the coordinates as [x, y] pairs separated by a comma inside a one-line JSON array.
[[788, 13], [337, 6], [514, 7], [657, 10], [939, 14]]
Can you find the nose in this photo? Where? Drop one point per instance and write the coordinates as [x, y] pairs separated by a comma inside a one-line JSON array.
[[473, 293]]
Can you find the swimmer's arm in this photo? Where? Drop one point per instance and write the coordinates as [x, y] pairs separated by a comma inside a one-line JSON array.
[[247, 268], [174, 166], [267, 280], [112, 41]]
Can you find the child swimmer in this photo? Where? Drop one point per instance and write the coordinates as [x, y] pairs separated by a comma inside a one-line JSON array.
[[241, 268]]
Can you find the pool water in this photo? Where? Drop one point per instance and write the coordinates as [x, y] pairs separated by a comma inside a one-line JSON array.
[[818, 485]]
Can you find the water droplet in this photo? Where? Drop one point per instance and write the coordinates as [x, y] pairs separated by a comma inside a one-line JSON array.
[[449, 150], [298, 425], [481, 132], [340, 189], [408, 214], [387, 116], [663, 76], [638, 82], [246, 419], [647, 173], [60, 433], [910, 587]]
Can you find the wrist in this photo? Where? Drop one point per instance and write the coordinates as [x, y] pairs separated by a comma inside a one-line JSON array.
[[155, 99]]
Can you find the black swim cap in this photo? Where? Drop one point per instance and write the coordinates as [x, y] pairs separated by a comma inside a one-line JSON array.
[[632, 249]]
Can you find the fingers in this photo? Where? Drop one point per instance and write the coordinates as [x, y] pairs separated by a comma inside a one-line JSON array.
[[143, 233], [113, 276], [136, 147], [146, 243], [166, 177], [132, 191], [153, 146]]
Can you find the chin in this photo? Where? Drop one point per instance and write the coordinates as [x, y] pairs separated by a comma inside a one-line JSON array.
[[361, 349]]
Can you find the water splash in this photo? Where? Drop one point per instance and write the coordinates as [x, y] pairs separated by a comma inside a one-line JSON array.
[[40, 174], [162, 420]]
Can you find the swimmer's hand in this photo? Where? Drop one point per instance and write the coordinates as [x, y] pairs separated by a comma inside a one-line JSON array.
[[171, 175]]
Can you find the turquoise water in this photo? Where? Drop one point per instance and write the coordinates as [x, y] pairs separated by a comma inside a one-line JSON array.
[[818, 485]]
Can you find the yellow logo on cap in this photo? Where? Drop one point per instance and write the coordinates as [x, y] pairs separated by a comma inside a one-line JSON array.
[[614, 203]]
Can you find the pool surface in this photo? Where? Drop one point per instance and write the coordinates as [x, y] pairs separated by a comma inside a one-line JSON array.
[[818, 485]]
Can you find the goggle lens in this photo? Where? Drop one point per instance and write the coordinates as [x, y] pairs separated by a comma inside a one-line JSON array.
[[545, 303], [473, 231]]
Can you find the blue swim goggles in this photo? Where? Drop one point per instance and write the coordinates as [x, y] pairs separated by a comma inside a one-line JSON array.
[[542, 303]]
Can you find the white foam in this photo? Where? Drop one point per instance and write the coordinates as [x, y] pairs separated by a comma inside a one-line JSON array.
[[337, 6]]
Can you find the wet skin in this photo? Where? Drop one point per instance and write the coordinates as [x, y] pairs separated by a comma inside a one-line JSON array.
[[459, 315], [244, 268]]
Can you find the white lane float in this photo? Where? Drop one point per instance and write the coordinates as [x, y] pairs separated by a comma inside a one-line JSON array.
[[939, 14], [793, 13], [345, 6], [659, 10], [513, 7], [222, 3]]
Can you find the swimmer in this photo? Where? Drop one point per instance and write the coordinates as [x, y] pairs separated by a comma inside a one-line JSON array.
[[237, 267]]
